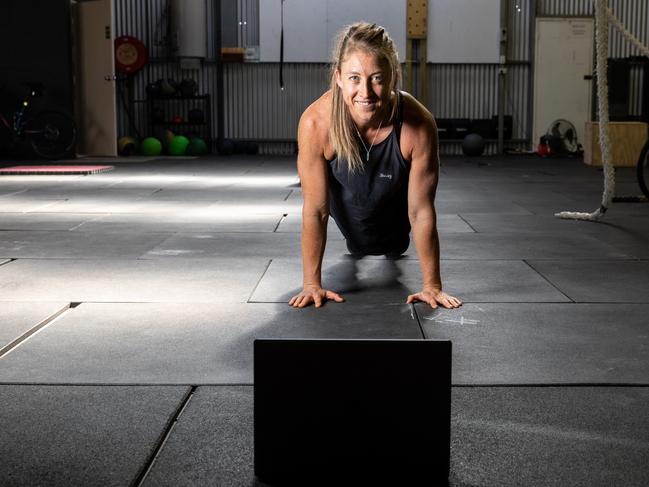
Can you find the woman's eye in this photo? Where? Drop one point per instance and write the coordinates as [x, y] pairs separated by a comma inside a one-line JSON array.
[[378, 79], [354, 78]]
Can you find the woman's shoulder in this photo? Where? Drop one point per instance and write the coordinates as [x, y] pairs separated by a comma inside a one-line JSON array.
[[317, 115], [313, 130], [418, 126], [414, 113]]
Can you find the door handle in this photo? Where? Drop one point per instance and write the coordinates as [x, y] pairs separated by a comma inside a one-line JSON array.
[[110, 78]]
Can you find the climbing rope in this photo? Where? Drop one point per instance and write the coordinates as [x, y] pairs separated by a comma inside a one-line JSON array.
[[602, 17]]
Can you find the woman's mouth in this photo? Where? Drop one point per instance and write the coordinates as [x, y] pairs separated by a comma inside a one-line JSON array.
[[365, 103]]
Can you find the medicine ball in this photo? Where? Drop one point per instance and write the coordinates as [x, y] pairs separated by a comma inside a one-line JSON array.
[[188, 87], [473, 145], [168, 136], [196, 115], [178, 145], [167, 87], [151, 147], [197, 147], [127, 146]]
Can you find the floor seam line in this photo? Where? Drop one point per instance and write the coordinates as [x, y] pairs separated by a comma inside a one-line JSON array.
[[8, 261], [15, 343], [284, 215], [415, 316], [76, 227], [465, 221], [548, 280], [151, 460], [263, 274]]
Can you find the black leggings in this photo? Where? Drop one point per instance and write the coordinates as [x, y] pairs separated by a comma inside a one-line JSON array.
[[400, 246]]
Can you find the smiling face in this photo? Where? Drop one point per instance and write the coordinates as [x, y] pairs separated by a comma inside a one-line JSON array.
[[365, 86]]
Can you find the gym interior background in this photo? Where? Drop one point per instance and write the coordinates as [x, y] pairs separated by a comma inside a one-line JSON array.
[[130, 299], [246, 102], [455, 91]]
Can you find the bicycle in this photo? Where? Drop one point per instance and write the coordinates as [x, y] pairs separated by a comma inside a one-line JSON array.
[[643, 169], [50, 133]]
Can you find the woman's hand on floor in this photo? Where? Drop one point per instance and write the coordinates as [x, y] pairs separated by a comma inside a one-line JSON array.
[[434, 298], [316, 295]]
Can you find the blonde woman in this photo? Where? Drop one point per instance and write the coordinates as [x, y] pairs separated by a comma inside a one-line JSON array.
[[368, 157]]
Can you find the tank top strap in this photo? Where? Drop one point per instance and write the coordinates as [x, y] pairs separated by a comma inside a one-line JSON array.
[[399, 116]]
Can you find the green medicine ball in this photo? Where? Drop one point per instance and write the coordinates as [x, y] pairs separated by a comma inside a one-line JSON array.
[[197, 147], [151, 147], [178, 145]]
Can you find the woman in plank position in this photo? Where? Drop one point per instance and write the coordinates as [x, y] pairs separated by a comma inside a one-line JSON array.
[[368, 157]]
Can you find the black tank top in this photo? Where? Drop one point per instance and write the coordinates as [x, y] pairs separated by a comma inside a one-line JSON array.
[[370, 206]]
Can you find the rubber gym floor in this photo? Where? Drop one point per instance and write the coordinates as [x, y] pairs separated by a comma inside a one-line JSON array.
[[129, 301]]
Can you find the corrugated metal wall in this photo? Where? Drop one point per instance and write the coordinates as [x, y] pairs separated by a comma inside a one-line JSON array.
[[634, 14], [260, 109], [564, 8], [255, 107]]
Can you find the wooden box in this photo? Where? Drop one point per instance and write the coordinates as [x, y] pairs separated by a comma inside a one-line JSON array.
[[626, 142], [232, 54]]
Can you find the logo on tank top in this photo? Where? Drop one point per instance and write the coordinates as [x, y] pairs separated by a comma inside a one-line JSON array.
[[387, 176]]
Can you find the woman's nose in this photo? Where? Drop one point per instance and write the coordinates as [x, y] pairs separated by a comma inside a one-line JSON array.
[[365, 89]]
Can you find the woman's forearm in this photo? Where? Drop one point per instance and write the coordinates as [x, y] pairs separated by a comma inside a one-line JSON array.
[[314, 239], [424, 232]]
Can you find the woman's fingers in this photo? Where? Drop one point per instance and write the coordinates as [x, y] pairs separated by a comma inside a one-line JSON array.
[[450, 301], [335, 296], [433, 299], [298, 301], [318, 298]]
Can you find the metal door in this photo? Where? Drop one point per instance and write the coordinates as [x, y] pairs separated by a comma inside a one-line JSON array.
[[96, 71], [563, 65]]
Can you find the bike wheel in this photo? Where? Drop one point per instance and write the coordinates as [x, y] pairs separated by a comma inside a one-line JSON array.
[[643, 170], [51, 134]]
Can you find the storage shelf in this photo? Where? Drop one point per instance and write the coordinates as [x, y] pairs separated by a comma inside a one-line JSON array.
[[180, 106]]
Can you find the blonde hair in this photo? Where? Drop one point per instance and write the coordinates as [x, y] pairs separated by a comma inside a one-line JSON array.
[[373, 39]]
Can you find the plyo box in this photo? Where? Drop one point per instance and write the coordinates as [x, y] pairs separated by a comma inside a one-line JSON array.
[[626, 142]]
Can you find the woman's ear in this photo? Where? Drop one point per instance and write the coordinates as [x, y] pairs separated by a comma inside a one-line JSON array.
[[339, 80]]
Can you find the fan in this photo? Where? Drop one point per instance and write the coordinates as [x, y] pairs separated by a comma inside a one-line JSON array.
[[561, 137]]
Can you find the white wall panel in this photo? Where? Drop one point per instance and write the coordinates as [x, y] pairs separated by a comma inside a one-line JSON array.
[[310, 26], [463, 31]]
